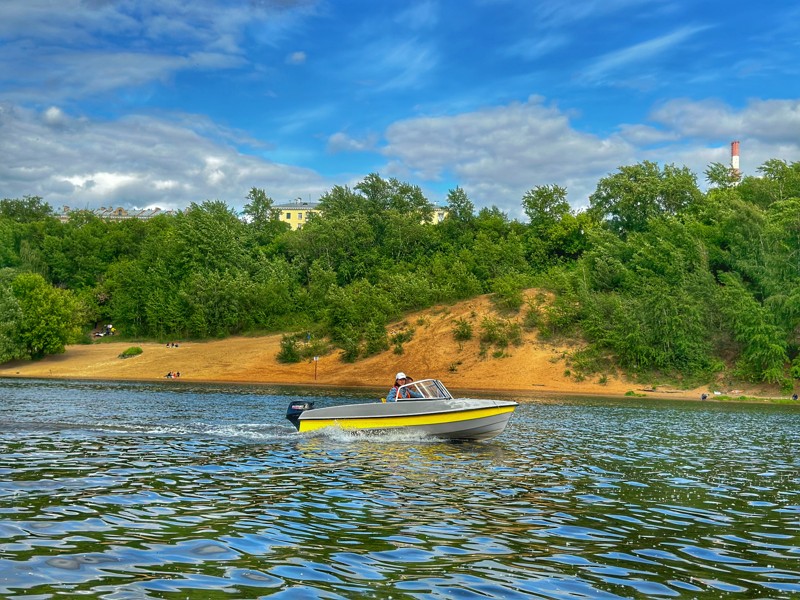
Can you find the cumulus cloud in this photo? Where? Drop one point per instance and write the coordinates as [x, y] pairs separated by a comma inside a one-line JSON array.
[[54, 117], [704, 129], [134, 162], [496, 154], [341, 142], [499, 153], [768, 120], [646, 135]]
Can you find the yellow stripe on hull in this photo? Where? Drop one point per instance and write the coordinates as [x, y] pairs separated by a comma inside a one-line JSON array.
[[403, 421]]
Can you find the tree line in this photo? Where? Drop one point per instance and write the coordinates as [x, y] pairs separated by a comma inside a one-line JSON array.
[[655, 274]]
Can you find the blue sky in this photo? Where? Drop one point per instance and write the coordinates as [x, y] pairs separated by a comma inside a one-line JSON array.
[[144, 103]]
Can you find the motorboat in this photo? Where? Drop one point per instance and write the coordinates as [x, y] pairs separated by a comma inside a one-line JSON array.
[[424, 407]]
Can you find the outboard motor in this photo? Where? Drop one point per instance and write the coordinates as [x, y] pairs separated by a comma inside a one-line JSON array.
[[297, 408]]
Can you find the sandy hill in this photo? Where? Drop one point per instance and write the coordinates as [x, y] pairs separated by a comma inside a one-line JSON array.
[[534, 366]]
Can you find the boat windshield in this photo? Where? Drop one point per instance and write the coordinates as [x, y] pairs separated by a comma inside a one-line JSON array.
[[424, 389]]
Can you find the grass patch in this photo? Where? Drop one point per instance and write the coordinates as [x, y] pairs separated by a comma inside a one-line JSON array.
[[130, 352]]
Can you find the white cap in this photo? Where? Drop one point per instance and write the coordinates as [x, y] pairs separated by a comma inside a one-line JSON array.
[[400, 375]]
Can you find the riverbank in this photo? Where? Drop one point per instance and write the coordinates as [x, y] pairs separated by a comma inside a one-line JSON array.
[[535, 366]]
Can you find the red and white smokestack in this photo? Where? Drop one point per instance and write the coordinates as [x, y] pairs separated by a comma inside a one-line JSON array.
[[735, 158]]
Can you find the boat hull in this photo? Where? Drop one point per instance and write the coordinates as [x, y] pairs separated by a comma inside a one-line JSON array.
[[452, 419]]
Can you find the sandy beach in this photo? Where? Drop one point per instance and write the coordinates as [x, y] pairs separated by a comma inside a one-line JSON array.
[[534, 367]]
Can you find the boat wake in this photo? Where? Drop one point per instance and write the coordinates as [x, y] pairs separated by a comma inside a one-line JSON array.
[[349, 436], [260, 432]]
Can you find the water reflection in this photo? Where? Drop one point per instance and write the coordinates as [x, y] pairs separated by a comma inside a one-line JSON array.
[[142, 491]]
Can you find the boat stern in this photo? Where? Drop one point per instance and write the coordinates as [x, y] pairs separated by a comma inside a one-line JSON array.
[[297, 408]]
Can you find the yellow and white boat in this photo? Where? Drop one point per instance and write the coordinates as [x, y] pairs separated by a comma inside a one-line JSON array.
[[434, 412]]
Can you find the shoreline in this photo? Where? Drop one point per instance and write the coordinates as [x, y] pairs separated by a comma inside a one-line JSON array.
[[534, 367], [538, 392]]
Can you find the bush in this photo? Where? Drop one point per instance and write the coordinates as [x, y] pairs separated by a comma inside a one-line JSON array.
[[507, 290], [795, 370], [500, 333], [132, 351], [401, 337], [462, 331], [532, 318], [375, 338], [397, 339], [289, 352], [314, 347], [301, 346]]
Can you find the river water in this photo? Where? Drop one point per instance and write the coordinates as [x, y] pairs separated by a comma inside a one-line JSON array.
[[129, 491]]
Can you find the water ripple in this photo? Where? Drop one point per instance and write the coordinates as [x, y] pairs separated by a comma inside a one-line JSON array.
[[139, 491]]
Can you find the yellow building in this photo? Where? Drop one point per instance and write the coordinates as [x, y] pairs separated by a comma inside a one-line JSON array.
[[439, 214], [296, 213]]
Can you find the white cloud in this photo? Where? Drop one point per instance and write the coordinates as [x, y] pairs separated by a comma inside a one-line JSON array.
[[497, 154], [612, 63], [341, 142], [133, 162], [296, 58], [103, 184], [54, 116], [537, 46], [399, 64], [775, 121], [703, 131], [707, 118], [74, 48], [556, 13], [646, 135]]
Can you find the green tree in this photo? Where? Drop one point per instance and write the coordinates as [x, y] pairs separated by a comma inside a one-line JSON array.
[[10, 319], [358, 311], [764, 354], [208, 236], [382, 195], [346, 244], [128, 286], [262, 218], [545, 205], [721, 176], [460, 208], [784, 177], [8, 254], [778, 181], [26, 210], [554, 233], [458, 228], [627, 200], [48, 316]]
